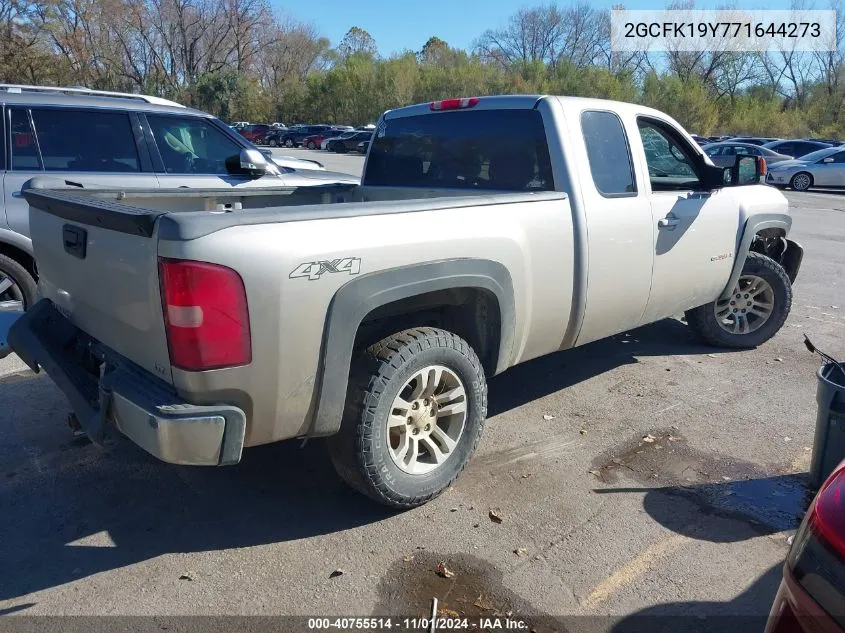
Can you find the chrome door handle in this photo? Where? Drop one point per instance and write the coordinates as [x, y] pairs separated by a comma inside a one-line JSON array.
[[669, 222]]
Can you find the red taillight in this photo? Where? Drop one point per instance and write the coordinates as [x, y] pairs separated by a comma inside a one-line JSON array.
[[827, 516], [453, 104], [764, 168], [205, 315]]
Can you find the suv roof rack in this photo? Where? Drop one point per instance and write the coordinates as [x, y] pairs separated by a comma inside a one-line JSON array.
[[81, 90]]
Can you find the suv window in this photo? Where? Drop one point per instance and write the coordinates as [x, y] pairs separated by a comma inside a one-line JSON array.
[[476, 149], [24, 149], [669, 161], [608, 153], [192, 145], [85, 140]]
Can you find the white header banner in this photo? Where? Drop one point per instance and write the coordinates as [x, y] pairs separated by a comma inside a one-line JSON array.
[[722, 30]]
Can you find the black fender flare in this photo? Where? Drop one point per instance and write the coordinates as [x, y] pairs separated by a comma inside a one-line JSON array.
[[356, 299], [754, 225]]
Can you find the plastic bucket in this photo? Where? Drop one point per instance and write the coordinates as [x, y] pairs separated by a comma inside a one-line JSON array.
[[829, 442]]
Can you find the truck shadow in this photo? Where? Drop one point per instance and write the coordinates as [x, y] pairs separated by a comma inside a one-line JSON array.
[[728, 512], [89, 510], [548, 374], [747, 613], [72, 510]]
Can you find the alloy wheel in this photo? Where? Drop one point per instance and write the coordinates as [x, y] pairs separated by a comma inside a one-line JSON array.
[[427, 420], [748, 307]]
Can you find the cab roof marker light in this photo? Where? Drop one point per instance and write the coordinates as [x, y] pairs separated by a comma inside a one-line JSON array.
[[453, 104]]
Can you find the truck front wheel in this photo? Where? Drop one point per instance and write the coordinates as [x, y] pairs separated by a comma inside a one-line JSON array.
[[416, 406], [754, 311]]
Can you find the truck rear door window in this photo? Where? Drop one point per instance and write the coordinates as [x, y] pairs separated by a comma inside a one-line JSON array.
[[608, 153], [504, 150]]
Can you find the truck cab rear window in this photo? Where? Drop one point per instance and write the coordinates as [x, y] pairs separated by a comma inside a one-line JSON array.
[[504, 150]]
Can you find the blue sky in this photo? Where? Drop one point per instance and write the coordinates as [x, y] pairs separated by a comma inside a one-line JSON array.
[[406, 24]]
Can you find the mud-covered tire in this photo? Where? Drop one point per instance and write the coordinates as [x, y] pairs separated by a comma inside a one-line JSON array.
[[360, 451], [703, 321], [801, 181], [24, 282]]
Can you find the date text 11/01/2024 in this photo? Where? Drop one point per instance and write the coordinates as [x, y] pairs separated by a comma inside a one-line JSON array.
[[417, 624], [721, 29]]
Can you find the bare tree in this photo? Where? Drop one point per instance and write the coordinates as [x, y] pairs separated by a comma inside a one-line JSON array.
[[291, 50], [531, 35]]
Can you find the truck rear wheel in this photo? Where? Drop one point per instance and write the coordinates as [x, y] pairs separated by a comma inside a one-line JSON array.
[[754, 311], [17, 286], [416, 407]]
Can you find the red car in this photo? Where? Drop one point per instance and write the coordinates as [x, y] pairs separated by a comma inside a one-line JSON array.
[[811, 598], [255, 133], [313, 141]]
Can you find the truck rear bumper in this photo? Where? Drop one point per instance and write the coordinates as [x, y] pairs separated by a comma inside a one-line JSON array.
[[142, 407]]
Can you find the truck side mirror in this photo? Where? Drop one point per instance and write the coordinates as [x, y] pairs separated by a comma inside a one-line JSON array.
[[747, 170]]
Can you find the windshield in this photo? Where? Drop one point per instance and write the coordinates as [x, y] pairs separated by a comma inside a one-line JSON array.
[[819, 154], [504, 150]]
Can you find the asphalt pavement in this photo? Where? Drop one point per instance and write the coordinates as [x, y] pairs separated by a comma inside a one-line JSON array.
[[642, 475]]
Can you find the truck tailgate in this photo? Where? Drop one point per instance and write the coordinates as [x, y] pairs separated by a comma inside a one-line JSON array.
[[101, 272]]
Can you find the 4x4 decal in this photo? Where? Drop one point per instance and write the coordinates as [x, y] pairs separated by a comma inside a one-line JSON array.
[[314, 270]]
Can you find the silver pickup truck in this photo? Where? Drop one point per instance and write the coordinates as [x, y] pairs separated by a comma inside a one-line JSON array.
[[486, 232]]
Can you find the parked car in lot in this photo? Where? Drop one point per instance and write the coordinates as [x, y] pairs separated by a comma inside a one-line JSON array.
[[335, 135], [348, 143], [795, 148], [829, 141], [755, 140], [724, 154], [239, 124], [278, 125], [89, 138], [256, 133], [295, 137], [811, 596], [822, 168], [315, 141], [561, 221]]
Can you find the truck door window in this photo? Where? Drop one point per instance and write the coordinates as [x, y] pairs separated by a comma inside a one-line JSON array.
[[85, 140], [192, 145], [608, 154], [503, 150], [25, 155], [670, 164]]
